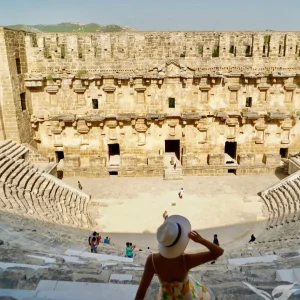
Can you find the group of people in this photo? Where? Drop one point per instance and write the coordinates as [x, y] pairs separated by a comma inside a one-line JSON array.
[[94, 241]]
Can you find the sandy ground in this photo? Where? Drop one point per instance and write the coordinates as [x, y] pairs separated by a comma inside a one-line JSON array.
[[131, 208]]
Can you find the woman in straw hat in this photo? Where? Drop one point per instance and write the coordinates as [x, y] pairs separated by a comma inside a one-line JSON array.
[[172, 266]]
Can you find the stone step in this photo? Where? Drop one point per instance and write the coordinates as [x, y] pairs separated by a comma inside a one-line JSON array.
[[50, 289], [6, 145], [18, 153]]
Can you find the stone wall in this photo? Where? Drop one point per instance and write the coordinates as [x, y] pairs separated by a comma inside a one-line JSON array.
[[139, 89], [14, 119]]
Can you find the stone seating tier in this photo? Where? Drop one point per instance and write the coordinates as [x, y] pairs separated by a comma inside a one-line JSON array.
[[35, 193], [283, 204]]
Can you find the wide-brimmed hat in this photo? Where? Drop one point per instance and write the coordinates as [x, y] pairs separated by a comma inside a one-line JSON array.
[[172, 236]]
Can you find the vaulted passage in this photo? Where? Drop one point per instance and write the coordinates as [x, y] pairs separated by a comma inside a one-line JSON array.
[[113, 149], [173, 146], [230, 149]]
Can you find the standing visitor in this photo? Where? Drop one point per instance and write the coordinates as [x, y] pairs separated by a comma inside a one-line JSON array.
[[180, 194], [79, 185], [165, 215], [97, 237], [94, 245], [171, 264], [216, 242]]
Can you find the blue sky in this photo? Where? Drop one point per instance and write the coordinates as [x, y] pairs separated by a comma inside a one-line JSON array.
[[158, 14]]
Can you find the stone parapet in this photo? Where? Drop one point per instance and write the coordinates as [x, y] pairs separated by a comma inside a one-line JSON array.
[[271, 158], [246, 159], [216, 159]]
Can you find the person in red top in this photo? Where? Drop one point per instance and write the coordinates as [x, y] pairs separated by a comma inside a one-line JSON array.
[[97, 237]]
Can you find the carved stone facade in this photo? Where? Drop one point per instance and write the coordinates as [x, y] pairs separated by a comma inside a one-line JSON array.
[[120, 102]]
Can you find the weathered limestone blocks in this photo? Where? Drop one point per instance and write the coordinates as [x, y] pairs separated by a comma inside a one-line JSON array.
[[216, 159], [271, 159], [72, 161], [97, 161], [246, 159], [129, 161], [192, 160], [155, 161]]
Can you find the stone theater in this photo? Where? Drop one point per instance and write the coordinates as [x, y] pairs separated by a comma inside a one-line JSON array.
[[136, 103]]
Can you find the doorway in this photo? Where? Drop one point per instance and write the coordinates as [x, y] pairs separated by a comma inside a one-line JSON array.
[[113, 149], [284, 152], [173, 146], [230, 149], [114, 154], [59, 155]]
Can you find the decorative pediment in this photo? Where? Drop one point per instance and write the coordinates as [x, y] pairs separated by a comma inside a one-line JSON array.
[[173, 68]]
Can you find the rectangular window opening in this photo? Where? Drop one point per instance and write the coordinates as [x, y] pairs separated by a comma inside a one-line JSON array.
[[249, 102], [18, 64], [200, 50], [23, 101], [248, 51], [216, 51], [62, 51], [231, 49], [171, 102], [95, 103]]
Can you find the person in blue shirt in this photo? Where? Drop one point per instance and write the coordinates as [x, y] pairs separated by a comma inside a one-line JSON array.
[[106, 240]]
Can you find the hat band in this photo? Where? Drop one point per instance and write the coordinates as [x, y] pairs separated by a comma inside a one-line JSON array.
[[177, 238]]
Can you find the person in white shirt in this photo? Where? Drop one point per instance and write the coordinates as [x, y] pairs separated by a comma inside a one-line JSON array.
[[180, 194]]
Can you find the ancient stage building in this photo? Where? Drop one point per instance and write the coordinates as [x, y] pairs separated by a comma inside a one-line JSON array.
[[135, 103]]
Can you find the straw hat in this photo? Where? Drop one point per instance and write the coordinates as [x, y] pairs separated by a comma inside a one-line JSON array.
[[172, 236]]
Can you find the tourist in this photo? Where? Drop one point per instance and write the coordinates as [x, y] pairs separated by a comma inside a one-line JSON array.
[[148, 250], [79, 185], [129, 250], [252, 239], [95, 235], [180, 194], [106, 240], [171, 264], [165, 215], [175, 166], [216, 242], [94, 245]]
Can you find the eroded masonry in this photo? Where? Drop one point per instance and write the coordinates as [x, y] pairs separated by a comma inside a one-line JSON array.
[[136, 103]]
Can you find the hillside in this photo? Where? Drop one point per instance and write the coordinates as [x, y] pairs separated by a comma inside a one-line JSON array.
[[72, 27]]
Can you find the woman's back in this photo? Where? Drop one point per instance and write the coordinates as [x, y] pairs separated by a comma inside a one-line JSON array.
[[169, 270], [172, 265]]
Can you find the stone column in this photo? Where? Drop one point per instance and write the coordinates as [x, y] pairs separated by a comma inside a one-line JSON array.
[[260, 127], [233, 101], [286, 126], [112, 125], [232, 124], [141, 128], [204, 93], [52, 91], [110, 96], [79, 90], [289, 92], [263, 89], [140, 94]]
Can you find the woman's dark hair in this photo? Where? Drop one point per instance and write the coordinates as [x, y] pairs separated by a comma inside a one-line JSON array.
[[127, 244], [93, 239]]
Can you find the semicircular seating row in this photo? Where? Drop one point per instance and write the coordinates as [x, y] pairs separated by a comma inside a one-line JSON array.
[[283, 203], [28, 191]]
